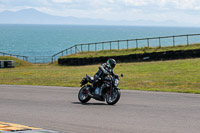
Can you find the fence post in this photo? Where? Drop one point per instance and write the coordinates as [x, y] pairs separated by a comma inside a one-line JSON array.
[[127, 44], [136, 43], [102, 45], [148, 42], [173, 41], [110, 45], [81, 48], [75, 48], [95, 46], [52, 59], [88, 47], [66, 51], [118, 44], [187, 40], [159, 43]]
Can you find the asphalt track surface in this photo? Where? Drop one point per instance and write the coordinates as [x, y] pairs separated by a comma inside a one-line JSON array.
[[58, 109]]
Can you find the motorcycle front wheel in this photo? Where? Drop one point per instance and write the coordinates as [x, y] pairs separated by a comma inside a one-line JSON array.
[[111, 100], [83, 95]]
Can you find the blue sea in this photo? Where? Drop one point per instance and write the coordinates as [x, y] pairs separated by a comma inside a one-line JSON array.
[[46, 40]]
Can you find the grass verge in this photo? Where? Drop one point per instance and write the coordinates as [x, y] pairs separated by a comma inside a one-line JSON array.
[[172, 76]]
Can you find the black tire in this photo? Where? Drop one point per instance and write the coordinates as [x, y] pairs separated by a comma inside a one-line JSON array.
[[83, 98], [116, 96]]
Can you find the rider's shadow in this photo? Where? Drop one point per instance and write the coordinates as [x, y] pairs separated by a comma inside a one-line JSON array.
[[89, 104]]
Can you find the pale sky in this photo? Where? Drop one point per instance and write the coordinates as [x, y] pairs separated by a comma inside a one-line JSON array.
[[156, 10]]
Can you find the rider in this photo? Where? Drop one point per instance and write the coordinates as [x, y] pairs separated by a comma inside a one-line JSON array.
[[104, 70]]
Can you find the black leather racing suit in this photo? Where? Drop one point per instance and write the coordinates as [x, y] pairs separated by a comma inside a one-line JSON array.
[[103, 71]]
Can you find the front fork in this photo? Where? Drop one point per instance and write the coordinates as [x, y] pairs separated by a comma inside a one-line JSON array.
[[111, 90]]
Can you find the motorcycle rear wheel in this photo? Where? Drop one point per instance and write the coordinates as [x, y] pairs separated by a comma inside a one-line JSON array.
[[114, 98], [83, 96]]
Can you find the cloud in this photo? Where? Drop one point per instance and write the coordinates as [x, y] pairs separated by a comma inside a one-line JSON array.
[[180, 4], [178, 10], [187, 4], [135, 2], [114, 4], [62, 1], [14, 5]]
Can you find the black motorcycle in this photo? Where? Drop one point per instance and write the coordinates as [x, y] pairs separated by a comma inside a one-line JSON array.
[[111, 93]]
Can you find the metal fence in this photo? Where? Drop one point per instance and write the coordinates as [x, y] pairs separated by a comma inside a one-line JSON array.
[[40, 59], [126, 44], [32, 59], [25, 58], [113, 45]]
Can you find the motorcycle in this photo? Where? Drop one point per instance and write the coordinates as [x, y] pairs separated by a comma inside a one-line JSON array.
[[110, 92]]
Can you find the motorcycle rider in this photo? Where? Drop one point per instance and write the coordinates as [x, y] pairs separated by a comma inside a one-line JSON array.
[[104, 70]]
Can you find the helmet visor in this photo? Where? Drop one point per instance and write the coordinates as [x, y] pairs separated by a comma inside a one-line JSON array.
[[113, 65]]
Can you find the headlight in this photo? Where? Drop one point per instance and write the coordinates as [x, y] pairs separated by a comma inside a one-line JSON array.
[[116, 82]]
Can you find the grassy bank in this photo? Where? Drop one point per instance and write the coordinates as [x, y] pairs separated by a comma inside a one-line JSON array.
[[174, 76], [18, 62], [131, 51]]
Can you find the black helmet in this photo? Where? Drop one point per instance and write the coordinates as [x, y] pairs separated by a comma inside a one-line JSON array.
[[111, 63]]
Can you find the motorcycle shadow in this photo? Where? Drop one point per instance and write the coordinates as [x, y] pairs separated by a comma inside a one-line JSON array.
[[89, 104]]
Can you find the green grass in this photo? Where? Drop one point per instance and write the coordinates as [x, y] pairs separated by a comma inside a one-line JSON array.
[[18, 62], [131, 51], [173, 76]]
